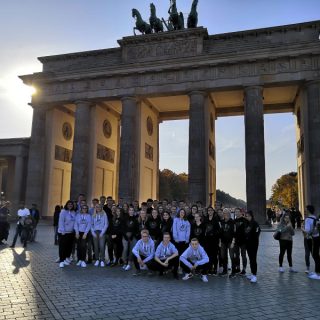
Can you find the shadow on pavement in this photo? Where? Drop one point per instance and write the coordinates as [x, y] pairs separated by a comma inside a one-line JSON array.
[[19, 260]]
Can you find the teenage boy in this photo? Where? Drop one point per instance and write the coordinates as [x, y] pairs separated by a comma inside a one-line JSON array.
[[195, 259], [166, 256], [143, 253]]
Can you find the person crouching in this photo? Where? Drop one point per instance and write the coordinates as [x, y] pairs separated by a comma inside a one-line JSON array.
[[143, 253], [194, 259], [166, 256]]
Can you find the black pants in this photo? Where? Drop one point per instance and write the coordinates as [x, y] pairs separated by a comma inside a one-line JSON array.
[[82, 247], [240, 249], [65, 245], [285, 246], [18, 233], [211, 246], [181, 247], [173, 263], [109, 243], [203, 269], [117, 246], [307, 243], [252, 249], [225, 249], [315, 253], [151, 264]]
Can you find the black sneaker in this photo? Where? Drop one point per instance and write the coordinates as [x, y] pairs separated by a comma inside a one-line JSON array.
[[223, 274], [232, 275], [160, 273], [243, 273], [214, 273]]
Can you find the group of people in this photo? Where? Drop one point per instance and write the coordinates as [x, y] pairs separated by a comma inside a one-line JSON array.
[[26, 225], [158, 236]]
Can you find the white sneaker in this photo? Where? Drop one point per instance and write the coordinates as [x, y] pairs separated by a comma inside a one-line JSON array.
[[204, 278], [144, 267], [187, 276], [83, 264], [78, 263], [249, 276], [96, 264], [253, 279], [127, 268], [292, 270], [102, 264], [314, 276], [124, 267], [57, 260], [307, 271], [281, 269], [66, 262], [61, 264]]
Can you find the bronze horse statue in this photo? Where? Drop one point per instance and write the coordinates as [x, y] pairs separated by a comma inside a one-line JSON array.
[[173, 15], [193, 16], [141, 25], [155, 22]]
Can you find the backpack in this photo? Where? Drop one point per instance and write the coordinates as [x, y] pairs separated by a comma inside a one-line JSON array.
[[316, 225]]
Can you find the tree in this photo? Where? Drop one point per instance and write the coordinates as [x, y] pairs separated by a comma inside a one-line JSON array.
[[285, 191], [175, 186]]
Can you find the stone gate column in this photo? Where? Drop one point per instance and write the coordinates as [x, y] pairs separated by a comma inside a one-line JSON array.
[[80, 152], [313, 142], [36, 160], [197, 147], [255, 158], [17, 181], [128, 171]]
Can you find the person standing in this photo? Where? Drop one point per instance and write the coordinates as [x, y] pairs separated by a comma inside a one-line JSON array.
[[181, 231], [82, 228], [66, 231], [312, 226], [56, 215], [286, 241], [251, 241], [4, 224], [23, 212], [99, 228]]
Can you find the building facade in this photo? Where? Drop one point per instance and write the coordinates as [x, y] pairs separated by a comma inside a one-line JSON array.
[[96, 114]]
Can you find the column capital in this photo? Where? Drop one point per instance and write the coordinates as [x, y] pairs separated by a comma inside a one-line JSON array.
[[131, 98], [312, 82], [85, 102], [253, 87], [198, 92]]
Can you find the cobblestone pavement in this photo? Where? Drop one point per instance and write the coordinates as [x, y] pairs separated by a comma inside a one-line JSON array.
[[32, 286]]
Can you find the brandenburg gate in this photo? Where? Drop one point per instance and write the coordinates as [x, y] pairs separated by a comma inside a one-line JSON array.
[[96, 114]]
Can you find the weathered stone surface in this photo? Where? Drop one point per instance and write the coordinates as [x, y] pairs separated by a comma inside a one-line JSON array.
[[81, 147], [129, 151], [255, 160], [197, 147]]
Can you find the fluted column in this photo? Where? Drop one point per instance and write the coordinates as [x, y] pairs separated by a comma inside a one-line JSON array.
[[255, 155], [81, 148], [36, 160], [128, 171], [198, 161], [312, 142]]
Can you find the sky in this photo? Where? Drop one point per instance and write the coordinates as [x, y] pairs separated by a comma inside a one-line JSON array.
[[33, 28]]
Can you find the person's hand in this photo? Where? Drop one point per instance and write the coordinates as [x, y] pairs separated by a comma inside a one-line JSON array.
[[139, 261], [84, 236], [77, 235], [113, 236], [194, 267], [167, 261]]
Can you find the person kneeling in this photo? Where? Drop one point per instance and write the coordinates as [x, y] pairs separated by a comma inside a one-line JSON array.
[[166, 256], [143, 253], [195, 259]]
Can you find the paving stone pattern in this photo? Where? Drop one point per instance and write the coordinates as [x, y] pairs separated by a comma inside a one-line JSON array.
[[32, 286]]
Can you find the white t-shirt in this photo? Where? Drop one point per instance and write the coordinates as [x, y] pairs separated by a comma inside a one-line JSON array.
[[23, 212]]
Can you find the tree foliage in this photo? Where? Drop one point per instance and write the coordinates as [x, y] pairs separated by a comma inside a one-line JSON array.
[[285, 191], [175, 186]]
